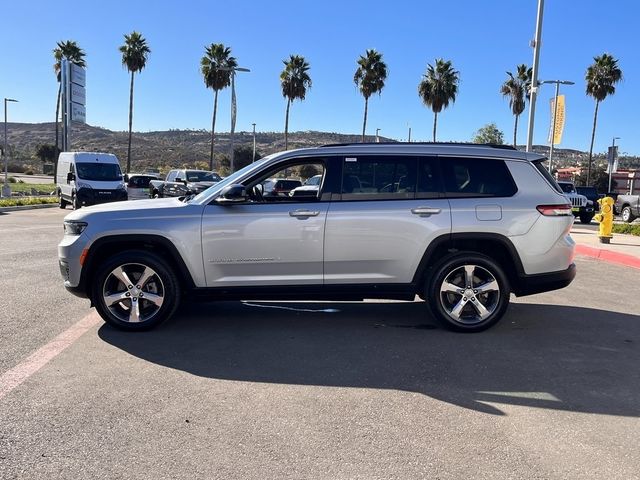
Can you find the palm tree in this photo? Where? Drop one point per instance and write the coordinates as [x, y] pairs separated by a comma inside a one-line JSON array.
[[438, 87], [295, 81], [370, 77], [217, 67], [601, 78], [72, 52], [516, 87], [135, 53]]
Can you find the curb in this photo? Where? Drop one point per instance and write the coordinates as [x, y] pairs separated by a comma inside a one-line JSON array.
[[27, 207], [609, 256]]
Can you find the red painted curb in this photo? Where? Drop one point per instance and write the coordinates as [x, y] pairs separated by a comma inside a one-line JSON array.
[[609, 256]]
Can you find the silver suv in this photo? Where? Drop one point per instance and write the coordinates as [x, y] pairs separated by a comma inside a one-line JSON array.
[[461, 226]]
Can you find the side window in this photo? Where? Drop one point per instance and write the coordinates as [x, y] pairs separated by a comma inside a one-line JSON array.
[[171, 176], [286, 183], [72, 168], [378, 178], [429, 182], [477, 177]]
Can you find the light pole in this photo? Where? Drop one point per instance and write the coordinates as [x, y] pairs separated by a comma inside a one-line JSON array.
[[233, 111], [377, 135], [613, 160], [534, 74], [555, 113], [6, 189], [409, 134], [254, 143]]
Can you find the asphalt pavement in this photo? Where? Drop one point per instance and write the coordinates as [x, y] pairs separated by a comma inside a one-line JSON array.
[[318, 390]]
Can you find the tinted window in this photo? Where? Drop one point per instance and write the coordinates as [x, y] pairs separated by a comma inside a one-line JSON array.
[[378, 178], [429, 183], [139, 181], [477, 177], [196, 176], [545, 173], [171, 176], [105, 172]]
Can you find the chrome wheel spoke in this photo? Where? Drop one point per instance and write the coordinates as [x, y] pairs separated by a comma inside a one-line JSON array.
[[153, 298], [448, 287], [469, 270], [457, 310], [115, 298], [481, 309], [121, 275], [134, 314], [490, 286], [147, 273]]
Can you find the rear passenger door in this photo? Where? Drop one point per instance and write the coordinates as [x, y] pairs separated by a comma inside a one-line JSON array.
[[386, 212], [479, 192]]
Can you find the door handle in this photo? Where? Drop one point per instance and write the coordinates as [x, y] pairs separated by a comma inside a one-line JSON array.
[[425, 211], [303, 213]]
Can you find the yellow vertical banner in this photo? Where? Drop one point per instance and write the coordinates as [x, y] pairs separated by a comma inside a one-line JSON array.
[[559, 120]]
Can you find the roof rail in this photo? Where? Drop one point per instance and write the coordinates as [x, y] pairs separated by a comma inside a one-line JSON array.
[[457, 144]]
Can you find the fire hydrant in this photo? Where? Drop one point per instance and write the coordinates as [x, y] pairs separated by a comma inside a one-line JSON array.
[[605, 219]]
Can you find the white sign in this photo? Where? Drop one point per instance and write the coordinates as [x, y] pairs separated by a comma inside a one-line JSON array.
[[78, 75], [78, 113], [78, 94]]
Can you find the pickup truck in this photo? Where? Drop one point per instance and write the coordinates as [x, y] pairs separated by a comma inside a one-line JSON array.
[[628, 206], [179, 183]]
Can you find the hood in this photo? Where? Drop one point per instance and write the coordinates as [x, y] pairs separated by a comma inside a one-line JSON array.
[[128, 206]]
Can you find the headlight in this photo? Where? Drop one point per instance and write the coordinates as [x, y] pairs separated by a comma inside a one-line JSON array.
[[122, 186], [83, 185], [74, 228]]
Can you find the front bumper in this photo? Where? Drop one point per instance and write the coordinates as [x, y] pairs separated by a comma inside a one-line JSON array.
[[91, 196], [544, 282]]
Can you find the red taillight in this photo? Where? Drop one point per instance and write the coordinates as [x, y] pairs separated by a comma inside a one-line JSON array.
[[560, 210]]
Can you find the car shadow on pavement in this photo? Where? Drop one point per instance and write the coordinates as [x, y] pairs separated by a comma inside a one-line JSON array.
[[545, 356]]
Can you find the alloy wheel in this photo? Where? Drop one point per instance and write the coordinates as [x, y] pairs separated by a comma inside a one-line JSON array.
[[469, 294]]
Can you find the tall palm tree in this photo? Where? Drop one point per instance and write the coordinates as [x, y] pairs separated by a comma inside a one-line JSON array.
[[72, 52], [370, 77], [295, 81], [439, 87], [216, 66], [601, 77], [135, 53], [516, 87]]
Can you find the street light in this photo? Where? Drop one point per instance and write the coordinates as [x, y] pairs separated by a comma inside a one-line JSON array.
[[254, 143], [534, 74], [555, 112], [6, 189], [377, 135], [613, 160], [233, 111]]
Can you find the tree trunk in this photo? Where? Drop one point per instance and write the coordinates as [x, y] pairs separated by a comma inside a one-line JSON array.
[[213, 126], [130, 122], [435, 125], [515, 133], [55, 163], [364, 123], [593, 136], [286, 126]]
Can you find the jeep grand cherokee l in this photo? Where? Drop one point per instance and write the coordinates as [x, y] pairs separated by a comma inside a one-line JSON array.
[[461, 226]]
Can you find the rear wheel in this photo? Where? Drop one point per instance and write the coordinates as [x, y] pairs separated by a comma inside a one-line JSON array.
[[135, 290], [75, 203], [62, 203], [468, 292], [627, 215]]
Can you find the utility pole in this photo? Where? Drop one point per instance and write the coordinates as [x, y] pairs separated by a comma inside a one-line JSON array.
[[377, 135], [254, 142], [6, 189], [534, 74]]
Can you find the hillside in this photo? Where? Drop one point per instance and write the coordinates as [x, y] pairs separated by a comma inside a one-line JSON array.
[[173, 148]]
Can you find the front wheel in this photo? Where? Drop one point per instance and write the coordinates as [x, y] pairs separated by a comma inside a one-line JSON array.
[[627, 215], [135, 290], [468, 292], [586, 218]]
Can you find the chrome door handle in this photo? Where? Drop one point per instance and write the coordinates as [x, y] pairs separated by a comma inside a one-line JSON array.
[[303, 213], [425, 211]]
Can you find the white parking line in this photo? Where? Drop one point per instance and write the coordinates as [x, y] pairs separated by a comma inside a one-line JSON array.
[[38, 359]]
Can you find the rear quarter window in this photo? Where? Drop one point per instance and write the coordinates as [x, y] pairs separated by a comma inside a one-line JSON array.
[[477, 177], [547, 176]]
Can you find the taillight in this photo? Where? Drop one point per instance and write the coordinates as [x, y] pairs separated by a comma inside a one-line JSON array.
[[560, 210]]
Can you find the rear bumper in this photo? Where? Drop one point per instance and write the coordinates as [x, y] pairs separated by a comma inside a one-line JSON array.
[[544, 282]]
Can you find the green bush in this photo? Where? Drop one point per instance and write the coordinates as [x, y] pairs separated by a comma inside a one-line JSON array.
[[17, 202], [629, 229]]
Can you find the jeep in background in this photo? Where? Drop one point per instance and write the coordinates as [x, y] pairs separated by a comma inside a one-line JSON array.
[[628, 206], [179, 183], [461, 226], [581, 206]]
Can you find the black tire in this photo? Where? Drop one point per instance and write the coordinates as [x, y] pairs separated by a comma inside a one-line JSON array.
[[443, 304], [62, 203], [161, 284], [586, 218], [627, 215], [74, 203]]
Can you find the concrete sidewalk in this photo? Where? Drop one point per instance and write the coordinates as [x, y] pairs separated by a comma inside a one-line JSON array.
[[623, 249]]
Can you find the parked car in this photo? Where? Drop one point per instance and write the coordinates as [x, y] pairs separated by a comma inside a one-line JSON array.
[[581, 206], [628, 206], [461, 226], [309, 188], [88, 178], [138, 185], [179, 183], [592, 194]]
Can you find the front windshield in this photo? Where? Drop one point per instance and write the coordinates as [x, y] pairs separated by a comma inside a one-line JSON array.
[[100, 172], [231, 179], [195, 176], [567, 188]]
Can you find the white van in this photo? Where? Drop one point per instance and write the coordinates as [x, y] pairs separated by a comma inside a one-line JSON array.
[[88, 178]]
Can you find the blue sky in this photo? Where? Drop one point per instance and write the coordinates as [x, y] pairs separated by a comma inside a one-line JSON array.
[[482, 39]]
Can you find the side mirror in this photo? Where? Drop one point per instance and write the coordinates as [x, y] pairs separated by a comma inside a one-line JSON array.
[[70, 177], [233, 194]]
